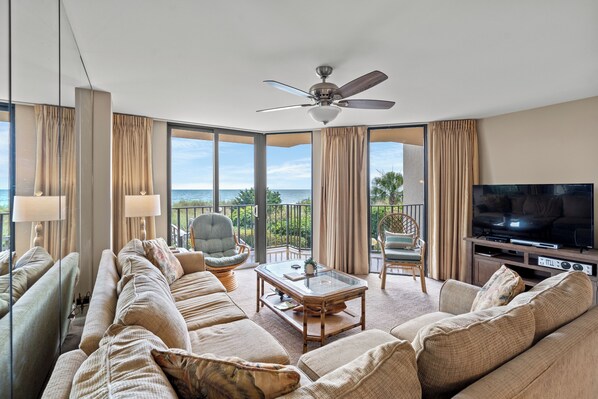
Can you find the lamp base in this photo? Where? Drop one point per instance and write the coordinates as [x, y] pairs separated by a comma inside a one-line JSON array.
[[39, 235], [143, 231]]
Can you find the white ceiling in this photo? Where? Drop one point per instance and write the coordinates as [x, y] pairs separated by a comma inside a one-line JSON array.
[[204, 61]]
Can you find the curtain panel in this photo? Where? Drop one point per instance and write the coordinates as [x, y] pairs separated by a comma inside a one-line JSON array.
[[453, 168], [56, 174], [344, 207], [131, 173]]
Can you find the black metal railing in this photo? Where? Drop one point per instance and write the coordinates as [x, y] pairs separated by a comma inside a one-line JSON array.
[[4, 231], [287, 225]]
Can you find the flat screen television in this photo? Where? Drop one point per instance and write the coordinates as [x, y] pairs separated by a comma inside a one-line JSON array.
[[551, 213]]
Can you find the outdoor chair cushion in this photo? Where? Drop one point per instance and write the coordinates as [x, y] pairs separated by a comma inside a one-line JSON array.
[[214, 235], [226, 260], [410, 255]]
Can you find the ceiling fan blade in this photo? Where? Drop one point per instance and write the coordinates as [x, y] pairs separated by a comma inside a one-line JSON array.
[[288, 89], [285, 107], [366, 104], [360, 84]]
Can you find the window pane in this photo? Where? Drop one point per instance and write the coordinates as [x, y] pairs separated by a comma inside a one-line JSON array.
[[289, 197]]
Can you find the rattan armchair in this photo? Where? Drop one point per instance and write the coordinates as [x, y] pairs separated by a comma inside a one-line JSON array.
[[403, 227]]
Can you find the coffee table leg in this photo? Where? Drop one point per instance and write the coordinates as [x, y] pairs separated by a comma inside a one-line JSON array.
[[322, 324], [363, 311], [304, 329], [257, 302]]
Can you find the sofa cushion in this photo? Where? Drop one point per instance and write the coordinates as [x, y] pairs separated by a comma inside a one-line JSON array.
[[386, 371], [207, 310], [123, 367], [5, 257], [132, 248], [454, 352], [157, 252], [408, 330], [146, 301], [212, 377], [19, 286], [61, 381], [499, 290], [195, 284], [557, 300], [321, 361], [223, 340], [35, 262]]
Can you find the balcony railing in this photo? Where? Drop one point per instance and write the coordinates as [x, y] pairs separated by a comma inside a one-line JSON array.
[[4, 231], [287, 225]]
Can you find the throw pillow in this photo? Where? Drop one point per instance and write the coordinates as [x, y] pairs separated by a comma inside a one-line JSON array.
[[19, 286], [146, 301], [499, 290], [161, 256], [132, 248], [211, 377], [398, 240], [454, 352], [35, 262], [5, 260], [123, 367]]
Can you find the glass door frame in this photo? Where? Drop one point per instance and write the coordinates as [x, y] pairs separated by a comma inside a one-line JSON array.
[[425, 210], [259, 183]]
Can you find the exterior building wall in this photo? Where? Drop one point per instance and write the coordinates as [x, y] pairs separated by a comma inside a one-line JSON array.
[[413, 174]]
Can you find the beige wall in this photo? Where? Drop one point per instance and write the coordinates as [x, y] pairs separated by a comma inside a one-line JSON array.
[[554, 144]]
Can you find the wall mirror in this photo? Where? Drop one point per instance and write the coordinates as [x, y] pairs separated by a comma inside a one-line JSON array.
[[38, 190]]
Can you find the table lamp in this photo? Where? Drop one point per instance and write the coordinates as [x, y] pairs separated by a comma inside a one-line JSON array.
[[142, 206], [39, 209]]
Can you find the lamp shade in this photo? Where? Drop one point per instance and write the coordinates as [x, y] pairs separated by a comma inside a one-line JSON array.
[[324, 113], [39, 209], [142, 205]]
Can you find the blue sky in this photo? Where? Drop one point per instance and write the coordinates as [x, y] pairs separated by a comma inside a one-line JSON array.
[[385, 157], [4, 155]]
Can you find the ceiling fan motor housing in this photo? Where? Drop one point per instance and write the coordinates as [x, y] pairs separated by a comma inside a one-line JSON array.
[[323, 92]]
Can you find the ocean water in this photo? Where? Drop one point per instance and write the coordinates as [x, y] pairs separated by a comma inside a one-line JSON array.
[[287, 196]]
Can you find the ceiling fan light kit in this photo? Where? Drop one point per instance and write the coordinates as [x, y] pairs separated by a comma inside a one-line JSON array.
[[324, 113], [328, 98]]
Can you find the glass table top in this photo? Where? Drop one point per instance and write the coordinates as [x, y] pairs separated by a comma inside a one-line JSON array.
[[325, 281]]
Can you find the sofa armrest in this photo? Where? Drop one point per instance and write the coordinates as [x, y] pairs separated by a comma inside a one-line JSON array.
[[457, 297], [191, 261], [60, 383]]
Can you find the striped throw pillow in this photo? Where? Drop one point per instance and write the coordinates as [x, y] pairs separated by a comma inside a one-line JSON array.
[[398, 240]]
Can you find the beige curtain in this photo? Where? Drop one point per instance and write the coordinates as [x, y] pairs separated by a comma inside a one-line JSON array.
[[56, 174], [343, 210], [131, 173], [453, 168]]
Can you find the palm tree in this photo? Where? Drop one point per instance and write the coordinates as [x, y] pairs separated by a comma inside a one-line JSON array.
[[387, 186]]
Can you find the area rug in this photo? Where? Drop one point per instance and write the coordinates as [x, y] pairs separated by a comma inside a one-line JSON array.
[[402, 300]]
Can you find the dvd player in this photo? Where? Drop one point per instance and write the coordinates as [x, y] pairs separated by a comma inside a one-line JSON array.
[[536, 244]]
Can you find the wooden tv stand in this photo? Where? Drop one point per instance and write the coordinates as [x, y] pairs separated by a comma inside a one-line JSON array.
[[485, 257]]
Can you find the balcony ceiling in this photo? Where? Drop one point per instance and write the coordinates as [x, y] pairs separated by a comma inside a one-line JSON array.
[[204, 61]]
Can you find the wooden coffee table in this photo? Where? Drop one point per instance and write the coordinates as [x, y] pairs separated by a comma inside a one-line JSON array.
[[323, 291]]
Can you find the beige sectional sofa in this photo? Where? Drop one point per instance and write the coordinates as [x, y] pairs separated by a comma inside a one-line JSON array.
[[543, 345]]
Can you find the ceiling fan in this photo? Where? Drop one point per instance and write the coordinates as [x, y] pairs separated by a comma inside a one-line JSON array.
[[328, 99]]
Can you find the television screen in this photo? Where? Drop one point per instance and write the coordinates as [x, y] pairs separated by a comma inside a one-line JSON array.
[[552, 213]]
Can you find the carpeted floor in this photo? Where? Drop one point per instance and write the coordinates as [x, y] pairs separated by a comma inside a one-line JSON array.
[[400, 301]]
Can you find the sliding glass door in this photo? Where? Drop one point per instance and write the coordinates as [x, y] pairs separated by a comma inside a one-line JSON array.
[[212, 170]]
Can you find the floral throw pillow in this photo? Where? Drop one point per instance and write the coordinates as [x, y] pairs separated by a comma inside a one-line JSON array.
[[500, 289], [211, 377], [157, 252]]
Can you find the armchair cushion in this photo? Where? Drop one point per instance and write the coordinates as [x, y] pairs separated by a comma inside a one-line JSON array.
[[213, 234], [409, 255], [226, 260]]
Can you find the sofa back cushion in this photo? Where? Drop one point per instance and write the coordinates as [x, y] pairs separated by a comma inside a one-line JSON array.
[[19, 286], [5, 257], [557, 300], [210, 376], [146, 301], [132, 248], [35, 262], [102, 306], [453, 353], [386, 371], [123, 367]]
